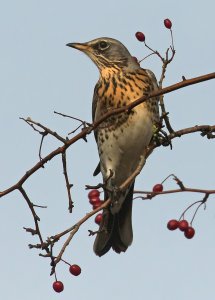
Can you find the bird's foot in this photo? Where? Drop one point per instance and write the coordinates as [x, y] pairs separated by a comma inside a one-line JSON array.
[[160, 137]]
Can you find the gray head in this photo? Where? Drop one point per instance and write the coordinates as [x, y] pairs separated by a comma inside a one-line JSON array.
[[107, 53]]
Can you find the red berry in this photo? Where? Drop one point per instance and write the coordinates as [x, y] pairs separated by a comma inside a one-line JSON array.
[[93, 194], [168, 23], [98, 219], [158, 188], [58, 286], [98, 204], [189, 232], [140, 36], [75, 270], [183, 225], [94, 200], [172, 224]]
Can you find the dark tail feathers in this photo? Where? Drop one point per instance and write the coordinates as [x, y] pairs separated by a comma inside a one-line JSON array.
[[116, 230]]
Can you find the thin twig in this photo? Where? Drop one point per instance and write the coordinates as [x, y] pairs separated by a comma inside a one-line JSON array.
[[83, 123], [154, 51], [71, 117], [30, 122], [41, 143], [68, 185], [166, 61]]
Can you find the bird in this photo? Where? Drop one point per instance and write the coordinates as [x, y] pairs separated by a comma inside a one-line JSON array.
[[121, 139]]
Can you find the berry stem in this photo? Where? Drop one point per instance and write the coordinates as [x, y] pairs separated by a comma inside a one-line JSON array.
[[172, 46], [191, 222], [182, 215], [65, 262], [146, 57], [201, 203], [171, 175]]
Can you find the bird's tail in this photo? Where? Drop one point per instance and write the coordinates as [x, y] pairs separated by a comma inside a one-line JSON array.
[[116, 229]]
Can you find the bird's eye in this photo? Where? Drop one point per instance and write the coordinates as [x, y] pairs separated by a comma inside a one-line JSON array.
[[103, 45]]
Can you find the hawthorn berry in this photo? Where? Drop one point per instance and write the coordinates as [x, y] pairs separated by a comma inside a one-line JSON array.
[[183, 225], [58, 286], [140, 36], [172, 224], [98, 219], [94, 200], [189, 232], [75, 270], [98, 204], [157, 188], [168, 23], [93, 194]]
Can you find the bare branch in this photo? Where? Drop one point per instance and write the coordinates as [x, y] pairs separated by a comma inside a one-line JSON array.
[[75, 228], [151, 194], [60, 150], [35, 216]]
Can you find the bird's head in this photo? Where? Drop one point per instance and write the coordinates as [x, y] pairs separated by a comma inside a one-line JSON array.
[[107, 53]]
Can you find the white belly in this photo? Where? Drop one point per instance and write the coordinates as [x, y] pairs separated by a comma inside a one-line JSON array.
[[121, 152]]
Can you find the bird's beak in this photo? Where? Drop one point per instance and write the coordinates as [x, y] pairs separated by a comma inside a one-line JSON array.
[[80, 46]]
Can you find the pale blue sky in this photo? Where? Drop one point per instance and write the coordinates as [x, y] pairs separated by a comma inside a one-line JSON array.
[[39, 74]]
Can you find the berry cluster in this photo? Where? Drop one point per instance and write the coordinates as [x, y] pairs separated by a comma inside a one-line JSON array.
[[95, 201], [58, 285], [182, 225]]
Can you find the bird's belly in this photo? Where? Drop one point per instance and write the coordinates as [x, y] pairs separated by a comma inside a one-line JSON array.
[[121, 149]]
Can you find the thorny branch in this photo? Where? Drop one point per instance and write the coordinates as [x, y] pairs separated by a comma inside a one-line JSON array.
[[149, 194], [89, 129], [31, 122], [205, 130], [35, 216]]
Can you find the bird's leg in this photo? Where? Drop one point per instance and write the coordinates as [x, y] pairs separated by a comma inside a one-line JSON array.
[[114, 192], [109, 177], [160, 137]]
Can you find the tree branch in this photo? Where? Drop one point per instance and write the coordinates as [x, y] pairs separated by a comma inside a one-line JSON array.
[[89, 129]]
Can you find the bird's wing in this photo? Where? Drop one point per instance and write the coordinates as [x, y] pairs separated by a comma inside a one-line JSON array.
[[94, 105], [153, 78]]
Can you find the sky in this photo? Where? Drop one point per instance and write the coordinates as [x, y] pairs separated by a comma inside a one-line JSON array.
[[40, 75]]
